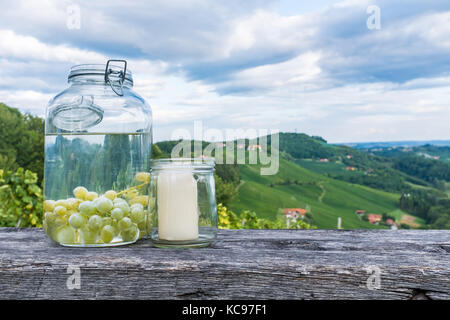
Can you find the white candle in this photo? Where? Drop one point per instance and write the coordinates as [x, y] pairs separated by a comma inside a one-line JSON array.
[[177, 205]]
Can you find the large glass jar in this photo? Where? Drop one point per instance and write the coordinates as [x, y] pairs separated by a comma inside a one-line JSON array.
[[98, 142], [184, 211]]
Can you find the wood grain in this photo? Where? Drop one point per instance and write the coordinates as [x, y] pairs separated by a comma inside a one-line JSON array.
[[241, 264]]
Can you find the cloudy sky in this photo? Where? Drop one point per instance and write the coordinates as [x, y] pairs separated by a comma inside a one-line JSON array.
[[321, 67]]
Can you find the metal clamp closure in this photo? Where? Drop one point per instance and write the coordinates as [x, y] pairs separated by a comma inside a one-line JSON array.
[[121, 74]]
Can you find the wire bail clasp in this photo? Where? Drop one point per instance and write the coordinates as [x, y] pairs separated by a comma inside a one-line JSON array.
[[121, 75]]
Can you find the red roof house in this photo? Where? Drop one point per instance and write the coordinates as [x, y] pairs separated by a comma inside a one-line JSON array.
[[294, 212], [374, 218]]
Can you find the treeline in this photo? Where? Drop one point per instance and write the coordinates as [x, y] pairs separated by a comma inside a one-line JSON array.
[[429, 205], [21, 141], [433, 171], [302, 146]]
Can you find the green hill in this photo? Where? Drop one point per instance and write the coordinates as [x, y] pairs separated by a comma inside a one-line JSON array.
[[332, 181], [326, 198]]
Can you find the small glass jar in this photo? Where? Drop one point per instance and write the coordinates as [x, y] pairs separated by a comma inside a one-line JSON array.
[[98, 142], [184, 211]]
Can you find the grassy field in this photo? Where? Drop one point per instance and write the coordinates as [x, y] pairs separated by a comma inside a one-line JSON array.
[[327, 198], [322, 167]]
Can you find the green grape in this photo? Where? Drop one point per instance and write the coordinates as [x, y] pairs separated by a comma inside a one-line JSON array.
[[124, 223], [117, 213], [137, 205], [95, 222], [118, 200], [142, 177], [91, 196], [73, 203], [76, 220], [60, 210], [143, 200], [130, 234], [88, 236], [137, 213], [50, 217], [106, 221], [49, 205], [65, 235], [111, 194], [95, 202], [104, 205], [62, 202], [123, 205], [80, 192], [61, 221], [87, 208], [107, 233]]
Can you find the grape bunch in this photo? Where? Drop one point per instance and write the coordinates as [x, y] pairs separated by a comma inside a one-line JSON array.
[[92, 219]]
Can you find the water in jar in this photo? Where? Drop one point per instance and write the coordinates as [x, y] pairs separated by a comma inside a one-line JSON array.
[[96, 188]]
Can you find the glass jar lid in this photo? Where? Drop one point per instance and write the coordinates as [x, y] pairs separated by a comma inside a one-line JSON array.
[[96, 73], [82, 113], [183, 163]]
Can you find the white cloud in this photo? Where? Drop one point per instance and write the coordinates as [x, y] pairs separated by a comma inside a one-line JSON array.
[[322, 73], [265, 30], [27, 47], [432, 28], [27, 100], [301, 69]]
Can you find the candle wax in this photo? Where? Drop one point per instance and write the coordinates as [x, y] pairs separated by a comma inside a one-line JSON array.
[[177, 205]]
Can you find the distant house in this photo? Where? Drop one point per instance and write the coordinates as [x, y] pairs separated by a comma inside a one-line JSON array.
[[349, 156], [349, 168], [374, 218], [436, 157], [294, 213], [324, 160], [389, 222], [254, 147], [360, 212]]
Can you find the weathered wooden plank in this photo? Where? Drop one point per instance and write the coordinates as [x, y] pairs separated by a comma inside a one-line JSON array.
[[241, 264]]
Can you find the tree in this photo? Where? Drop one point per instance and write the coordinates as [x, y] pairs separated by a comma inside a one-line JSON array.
[[21, 140]]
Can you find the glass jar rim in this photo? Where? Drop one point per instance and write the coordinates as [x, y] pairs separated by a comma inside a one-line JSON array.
[[182, 163], [96, 70]]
